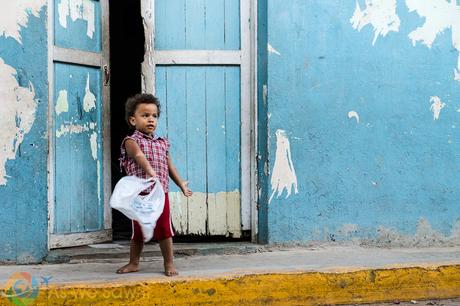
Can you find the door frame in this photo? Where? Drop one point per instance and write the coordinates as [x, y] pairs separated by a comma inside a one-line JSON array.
[[102, 61], [247, 60]]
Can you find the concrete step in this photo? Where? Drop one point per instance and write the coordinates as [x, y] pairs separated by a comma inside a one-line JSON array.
[[104, 252], [323, 275]]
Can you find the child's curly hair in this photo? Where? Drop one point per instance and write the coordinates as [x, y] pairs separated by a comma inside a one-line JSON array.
[[132, 103]]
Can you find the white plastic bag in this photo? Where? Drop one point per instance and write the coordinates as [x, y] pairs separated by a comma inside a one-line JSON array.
[[145, 209]]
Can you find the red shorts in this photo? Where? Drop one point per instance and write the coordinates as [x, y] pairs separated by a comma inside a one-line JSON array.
[[163, 229]]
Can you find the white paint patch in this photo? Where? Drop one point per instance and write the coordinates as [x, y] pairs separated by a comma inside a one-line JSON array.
[[439, 16], [381, 14], [272, 50], [457, 71], [78, 9], [93, 142], [62, 104], [222, 214], [17, 110], [89, 100], [283, 174], [99, 180], [436, 106], [264, 93], [353, 114], [72, 129], [16, 15]]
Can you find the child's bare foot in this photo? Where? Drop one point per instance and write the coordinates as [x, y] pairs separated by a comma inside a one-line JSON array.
[[128, 268], [170, 270]]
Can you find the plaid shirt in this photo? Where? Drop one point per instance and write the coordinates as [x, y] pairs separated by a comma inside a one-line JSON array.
[[155, 150]]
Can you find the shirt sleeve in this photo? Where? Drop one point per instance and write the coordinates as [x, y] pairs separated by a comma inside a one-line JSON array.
[[123, 154], [167, 145]]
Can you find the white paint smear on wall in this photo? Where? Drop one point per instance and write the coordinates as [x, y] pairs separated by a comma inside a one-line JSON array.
[[353, 114], [15, 16], [62, 103], [272, 50], [381, 14], [439, 16], [17, 110], [283, 174], [93, 142], [436, 106], [78, 9], [89, 101]]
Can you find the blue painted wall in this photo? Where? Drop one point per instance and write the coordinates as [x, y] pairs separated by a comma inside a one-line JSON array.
[[390, 179], [24, 208]]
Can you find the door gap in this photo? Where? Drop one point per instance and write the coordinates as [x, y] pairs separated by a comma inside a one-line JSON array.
[[126, 55]]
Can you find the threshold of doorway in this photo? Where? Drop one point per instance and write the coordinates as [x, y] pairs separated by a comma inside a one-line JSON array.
[[118, 250]]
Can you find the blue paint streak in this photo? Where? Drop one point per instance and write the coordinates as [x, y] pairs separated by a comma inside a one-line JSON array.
[[24, 197]]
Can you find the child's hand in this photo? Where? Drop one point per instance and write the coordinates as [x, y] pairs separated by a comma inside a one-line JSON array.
[[185, 189]]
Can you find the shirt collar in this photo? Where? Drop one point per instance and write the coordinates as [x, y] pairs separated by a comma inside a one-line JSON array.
[[153, 137]]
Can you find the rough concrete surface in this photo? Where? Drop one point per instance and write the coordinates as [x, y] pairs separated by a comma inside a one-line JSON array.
[[318, 259]]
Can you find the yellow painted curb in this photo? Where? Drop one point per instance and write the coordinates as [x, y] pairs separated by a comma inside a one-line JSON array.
[[313, 288]]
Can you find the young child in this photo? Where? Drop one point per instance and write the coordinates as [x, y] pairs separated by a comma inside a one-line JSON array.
[[145, 155]]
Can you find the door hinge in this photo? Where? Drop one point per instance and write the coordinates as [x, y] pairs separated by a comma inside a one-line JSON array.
[[106, 75]]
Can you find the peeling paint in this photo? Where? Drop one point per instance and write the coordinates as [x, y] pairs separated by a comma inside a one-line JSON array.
[[17, 15], [425, 236], [436, 106], [89, 101], [381, 14], [272, 50], [62, 104], [147, 74], [353, 114], [213, 213], [78, 9], [98, 180], [17, 113], [264, 93], [283, 174], [93, 141], [72, 129], [439, 16]]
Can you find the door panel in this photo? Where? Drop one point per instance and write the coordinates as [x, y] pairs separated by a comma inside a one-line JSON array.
[[78, 152], [201, 118], [80, 166], [201, 73], [197, 24]]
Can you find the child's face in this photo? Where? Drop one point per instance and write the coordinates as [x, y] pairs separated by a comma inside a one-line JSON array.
[[145, 118]]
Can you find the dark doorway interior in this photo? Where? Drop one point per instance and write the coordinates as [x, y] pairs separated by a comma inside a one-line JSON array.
[[126, 55]]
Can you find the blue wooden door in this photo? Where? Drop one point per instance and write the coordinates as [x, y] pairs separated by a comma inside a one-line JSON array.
[[79, 124], [197, 58]]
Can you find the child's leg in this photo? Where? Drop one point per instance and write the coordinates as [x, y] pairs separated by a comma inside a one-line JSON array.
[[166, 247], [134, 256], [135, 250]]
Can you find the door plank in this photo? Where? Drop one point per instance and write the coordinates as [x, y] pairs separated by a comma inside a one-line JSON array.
[[215, 24], [196, 148], [177, 118], [216, 170], [169, 24], [195, 24], [232, 24], [233, 149]]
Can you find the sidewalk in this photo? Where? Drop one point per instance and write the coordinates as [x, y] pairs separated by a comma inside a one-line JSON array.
[[278, 276]]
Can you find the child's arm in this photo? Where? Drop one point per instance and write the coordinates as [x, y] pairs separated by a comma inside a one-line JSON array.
[[174, 174], [133, 150]]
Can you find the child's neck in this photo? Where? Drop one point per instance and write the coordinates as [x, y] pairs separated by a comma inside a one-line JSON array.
[[147, 134]]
